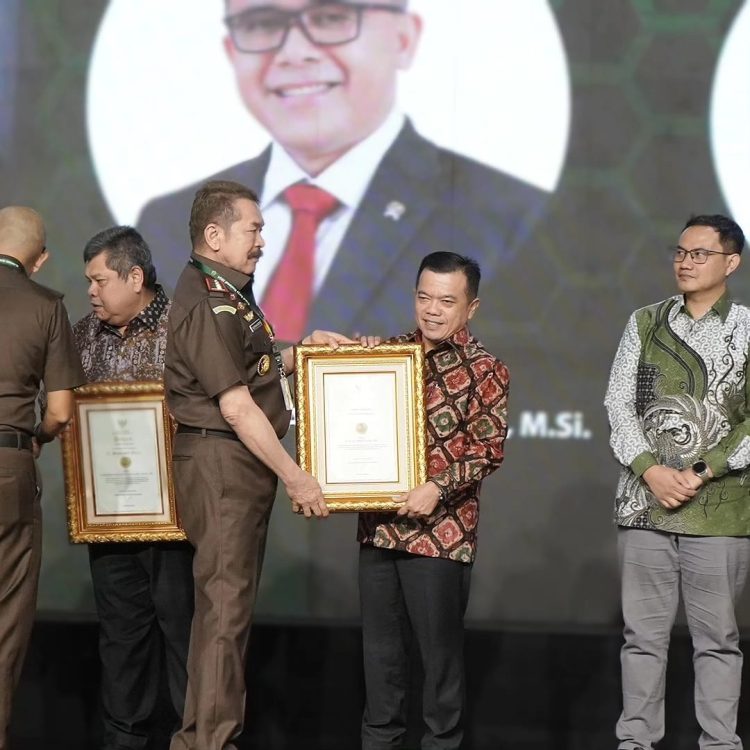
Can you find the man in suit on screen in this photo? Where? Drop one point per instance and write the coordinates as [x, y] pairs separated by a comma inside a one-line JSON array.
[[353, 196]]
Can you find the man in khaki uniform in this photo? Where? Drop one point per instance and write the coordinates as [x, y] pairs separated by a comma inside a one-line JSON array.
[[226, 387], [38, 347]]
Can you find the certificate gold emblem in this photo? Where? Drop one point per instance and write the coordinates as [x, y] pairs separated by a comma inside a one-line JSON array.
[[125, 462], [264, 365]]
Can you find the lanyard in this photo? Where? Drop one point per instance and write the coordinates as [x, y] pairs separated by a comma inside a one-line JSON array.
[[11, 263], [203, 268]]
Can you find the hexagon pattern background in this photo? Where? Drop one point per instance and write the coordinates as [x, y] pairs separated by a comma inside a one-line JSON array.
[[638, 164]]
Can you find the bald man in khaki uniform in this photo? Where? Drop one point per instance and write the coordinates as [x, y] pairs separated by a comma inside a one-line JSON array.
[[37, 342]]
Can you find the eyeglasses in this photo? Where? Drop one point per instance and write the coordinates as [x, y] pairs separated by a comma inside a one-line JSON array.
[[266, 29], [699, 256]]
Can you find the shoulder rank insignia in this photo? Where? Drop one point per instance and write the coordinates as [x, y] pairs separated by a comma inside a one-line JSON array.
[[214, 285], [224, 308], [264, 365]]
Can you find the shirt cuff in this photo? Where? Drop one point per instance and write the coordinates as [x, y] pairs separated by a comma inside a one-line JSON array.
[[642, 462], [716, 460]]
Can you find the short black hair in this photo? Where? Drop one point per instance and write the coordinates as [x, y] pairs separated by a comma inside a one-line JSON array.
[[214, 202], [731, 236], [125, 248], [445, 262]]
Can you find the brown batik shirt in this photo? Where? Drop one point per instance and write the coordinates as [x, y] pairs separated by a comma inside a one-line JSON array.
[[135, 355], [466, 401]]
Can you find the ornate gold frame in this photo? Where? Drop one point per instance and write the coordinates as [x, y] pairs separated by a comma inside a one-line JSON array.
[[407, 361], [78, 467]]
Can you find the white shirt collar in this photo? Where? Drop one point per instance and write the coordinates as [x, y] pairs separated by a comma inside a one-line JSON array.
[[347, 178]]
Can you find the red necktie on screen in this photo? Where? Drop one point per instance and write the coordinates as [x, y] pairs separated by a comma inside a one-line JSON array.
[[286, 302]]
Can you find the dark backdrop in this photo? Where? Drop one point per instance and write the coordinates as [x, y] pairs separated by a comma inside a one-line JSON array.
[[639, 162]]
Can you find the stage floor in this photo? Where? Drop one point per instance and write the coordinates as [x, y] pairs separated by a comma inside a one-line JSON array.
[[528, 690]]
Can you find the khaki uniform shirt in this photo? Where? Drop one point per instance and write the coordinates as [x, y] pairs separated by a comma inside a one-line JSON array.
[[37, 346], [211, 347]]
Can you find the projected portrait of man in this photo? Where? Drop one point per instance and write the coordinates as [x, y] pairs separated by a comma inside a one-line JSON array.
[[352, 195]]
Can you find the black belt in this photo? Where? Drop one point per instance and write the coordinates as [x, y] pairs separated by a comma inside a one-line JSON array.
[[226, 434], [18, 440]]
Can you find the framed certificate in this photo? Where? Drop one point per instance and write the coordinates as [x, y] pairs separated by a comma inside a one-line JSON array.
[[361, 422], [117, 454]]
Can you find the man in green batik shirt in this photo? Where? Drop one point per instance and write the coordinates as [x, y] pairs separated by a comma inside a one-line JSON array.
[[678, 409]]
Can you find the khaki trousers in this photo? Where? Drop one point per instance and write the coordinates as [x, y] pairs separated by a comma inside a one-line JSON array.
[[20, 559], [224, 496]]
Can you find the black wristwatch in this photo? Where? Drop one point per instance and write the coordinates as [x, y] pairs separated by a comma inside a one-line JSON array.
[[701, 469]]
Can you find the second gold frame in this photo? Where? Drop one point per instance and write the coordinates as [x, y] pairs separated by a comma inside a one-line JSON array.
[[117, 454]]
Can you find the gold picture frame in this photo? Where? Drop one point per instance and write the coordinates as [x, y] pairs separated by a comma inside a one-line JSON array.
[[361, 424], [117, 456]]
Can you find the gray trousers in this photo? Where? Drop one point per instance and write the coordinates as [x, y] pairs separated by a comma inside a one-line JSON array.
[[710, 572]]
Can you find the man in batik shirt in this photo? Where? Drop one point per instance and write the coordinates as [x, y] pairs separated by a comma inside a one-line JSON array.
[[678, 405], [143, 591], [415, 566]]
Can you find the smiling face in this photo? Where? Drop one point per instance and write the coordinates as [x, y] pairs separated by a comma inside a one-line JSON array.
[[319, 101], [239, 244], [442, 305], [705, 280]]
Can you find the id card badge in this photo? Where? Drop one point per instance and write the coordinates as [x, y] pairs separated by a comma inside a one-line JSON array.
[[287, 391]]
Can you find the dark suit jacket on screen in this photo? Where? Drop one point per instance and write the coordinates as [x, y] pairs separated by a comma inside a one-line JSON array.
[[421, 199]]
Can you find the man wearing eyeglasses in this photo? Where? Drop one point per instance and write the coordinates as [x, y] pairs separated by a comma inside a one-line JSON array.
[[678, 402], [353, 196]]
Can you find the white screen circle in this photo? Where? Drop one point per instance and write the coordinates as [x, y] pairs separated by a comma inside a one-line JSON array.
[[730, 119], [489, 81]]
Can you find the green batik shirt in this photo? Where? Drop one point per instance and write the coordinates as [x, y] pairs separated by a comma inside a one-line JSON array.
[[678, 393]]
